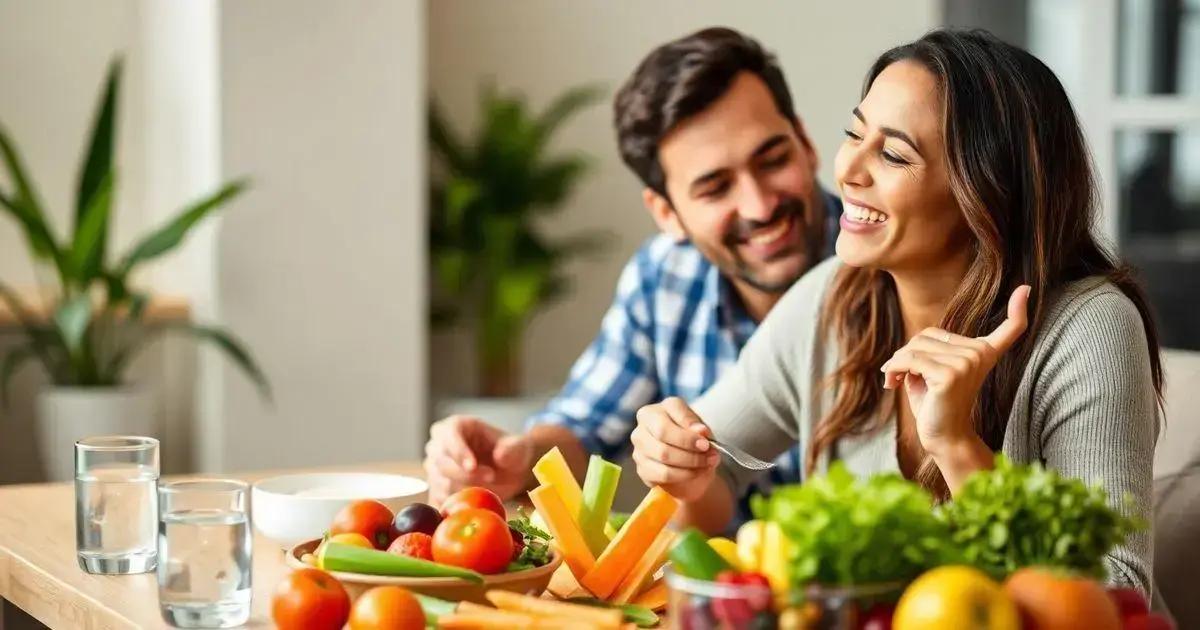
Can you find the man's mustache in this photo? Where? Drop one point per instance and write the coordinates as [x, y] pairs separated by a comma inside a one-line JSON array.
[[742, 230]]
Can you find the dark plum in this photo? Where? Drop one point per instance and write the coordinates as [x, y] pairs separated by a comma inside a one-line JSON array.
[[417, 517]]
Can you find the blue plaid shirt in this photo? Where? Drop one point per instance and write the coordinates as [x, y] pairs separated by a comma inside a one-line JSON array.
[[675, 325]]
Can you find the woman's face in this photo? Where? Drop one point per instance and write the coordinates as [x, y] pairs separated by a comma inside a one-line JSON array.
[[899, 213]]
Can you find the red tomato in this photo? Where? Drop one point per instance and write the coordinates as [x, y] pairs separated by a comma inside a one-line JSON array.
[[879, 617], [369, 518], [474, 539], [387, 608], [310, 599], [414, 544], [473, 497], [1147, 622], [1129, 601]]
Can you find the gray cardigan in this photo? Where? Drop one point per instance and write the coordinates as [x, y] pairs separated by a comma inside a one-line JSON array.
[[1085, 406]]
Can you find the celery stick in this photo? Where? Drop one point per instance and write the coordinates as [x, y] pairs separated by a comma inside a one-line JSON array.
[[599, 488]]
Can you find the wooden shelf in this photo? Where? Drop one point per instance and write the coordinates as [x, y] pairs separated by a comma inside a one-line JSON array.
[[163, 309]]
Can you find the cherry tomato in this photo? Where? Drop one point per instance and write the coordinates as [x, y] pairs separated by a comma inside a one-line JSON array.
[[387, 608], [475, 539], [369, 518], [1129, 601], [310, 599], [879, 617], [473, 497], [1147, 622], [415, 544]]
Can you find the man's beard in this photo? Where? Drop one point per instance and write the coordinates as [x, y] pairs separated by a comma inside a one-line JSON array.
[[788, 209]]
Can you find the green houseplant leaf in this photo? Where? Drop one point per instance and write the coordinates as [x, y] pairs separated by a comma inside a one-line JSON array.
[[95, 179], [72, 318], [489, 193], [87, 251], [565, 106], [444, 141], [233, 349], [96, 326], [25, 206], [169, 236]]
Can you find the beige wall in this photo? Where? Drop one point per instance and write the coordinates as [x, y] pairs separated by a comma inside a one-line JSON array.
[[319, 269], [542, 46], [321, 266], [53, 57]]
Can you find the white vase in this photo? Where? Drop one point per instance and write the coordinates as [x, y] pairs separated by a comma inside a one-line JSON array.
[[508, 413], [67, 414]]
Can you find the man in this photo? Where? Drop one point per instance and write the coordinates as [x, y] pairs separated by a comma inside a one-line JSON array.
[[707, 123]]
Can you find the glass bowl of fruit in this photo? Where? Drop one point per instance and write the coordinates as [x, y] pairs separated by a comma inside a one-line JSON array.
[[732, 601], [852, 607]]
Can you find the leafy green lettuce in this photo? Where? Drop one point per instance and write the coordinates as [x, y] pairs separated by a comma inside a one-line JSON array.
[[846, 530]]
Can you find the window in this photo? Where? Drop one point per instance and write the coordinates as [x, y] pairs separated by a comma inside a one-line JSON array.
[[1132, 68]]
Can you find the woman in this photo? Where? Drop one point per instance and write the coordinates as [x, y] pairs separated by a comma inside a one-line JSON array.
[[969, 309]]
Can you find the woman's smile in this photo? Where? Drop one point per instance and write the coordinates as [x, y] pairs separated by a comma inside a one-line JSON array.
[[860, 218]]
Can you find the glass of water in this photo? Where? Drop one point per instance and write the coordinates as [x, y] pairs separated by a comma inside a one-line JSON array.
[[204, 548], [116, 504]]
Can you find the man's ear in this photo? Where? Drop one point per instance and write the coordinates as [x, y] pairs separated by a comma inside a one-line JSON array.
[[663, 214], [806, 143]]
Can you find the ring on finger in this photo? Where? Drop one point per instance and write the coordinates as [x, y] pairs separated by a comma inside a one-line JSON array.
[[945, 337]]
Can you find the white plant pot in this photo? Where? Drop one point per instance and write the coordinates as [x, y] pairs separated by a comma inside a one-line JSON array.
[[67, 414], [507, 413]]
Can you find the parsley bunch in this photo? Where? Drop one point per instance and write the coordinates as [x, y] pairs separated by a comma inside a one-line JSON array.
[[1020, 515], [537, 544]]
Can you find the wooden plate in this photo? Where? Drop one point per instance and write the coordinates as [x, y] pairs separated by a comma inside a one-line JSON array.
[[529, 581]]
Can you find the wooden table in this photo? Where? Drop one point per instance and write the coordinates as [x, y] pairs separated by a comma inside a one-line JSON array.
[[39, 572]]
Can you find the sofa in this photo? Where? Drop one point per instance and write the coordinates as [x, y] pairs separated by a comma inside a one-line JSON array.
[[1177, 490]]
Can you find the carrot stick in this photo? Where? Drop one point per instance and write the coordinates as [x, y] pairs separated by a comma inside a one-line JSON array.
[[598, 617]]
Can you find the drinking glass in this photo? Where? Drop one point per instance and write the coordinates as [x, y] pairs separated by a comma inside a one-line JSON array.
[[204, 550], [116, 504]]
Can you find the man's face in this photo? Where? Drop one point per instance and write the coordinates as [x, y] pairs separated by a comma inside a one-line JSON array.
[[741, 181]]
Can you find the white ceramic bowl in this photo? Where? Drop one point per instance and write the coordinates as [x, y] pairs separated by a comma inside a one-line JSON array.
[[293, 508]]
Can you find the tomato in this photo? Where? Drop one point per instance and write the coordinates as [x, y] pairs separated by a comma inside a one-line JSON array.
[[415, 544], [310, 599], [879, 617], [369, 518], [387, 608], [473, 497], [1129, 601], [475, 539], [1148, 622]]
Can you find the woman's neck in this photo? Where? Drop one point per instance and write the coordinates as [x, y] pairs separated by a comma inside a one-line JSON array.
[[925, 293]]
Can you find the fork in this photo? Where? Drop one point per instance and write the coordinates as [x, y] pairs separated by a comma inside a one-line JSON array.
[[740, 457]]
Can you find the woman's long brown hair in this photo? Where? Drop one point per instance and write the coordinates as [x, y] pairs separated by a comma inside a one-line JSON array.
[[1021, 173]]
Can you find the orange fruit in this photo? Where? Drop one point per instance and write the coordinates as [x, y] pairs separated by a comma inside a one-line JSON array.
[[953, 598], [387, 608], [1052, 599]]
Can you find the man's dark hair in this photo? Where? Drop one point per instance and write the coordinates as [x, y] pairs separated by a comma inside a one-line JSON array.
[[681, 79]]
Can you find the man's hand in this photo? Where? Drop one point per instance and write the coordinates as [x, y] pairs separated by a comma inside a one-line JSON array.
[[466, 451]]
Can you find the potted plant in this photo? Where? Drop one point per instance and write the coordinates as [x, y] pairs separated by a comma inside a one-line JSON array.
[[492, 265], [96, 323]]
